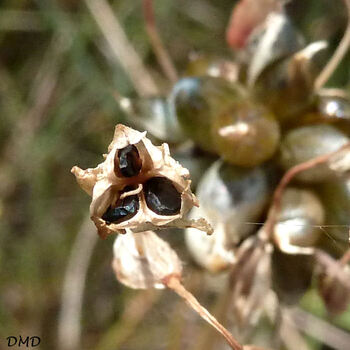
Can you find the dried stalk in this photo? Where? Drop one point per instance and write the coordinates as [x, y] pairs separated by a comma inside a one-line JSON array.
[[69, 322], [286, 179], [319, 329], [121, 47], [337, 56], [173, 282], [161, 53]]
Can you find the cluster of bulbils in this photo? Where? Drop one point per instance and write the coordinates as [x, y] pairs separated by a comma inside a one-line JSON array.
[[261, 119], [261, 116]]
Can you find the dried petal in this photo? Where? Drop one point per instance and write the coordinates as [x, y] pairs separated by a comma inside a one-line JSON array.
[[334, 283], [214, 252], [143, 260]]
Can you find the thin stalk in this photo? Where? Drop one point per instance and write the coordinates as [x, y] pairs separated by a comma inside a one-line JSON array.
[[161, 53], [121, 48], [338, 55], [286, 179], [173, 282]]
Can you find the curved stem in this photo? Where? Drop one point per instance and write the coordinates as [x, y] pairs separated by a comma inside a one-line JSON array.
[[173, 282], [161, 53], [337, 56], [121, 48], [286, 179]]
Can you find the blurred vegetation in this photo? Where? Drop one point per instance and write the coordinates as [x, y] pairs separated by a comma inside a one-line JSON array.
[[57, 80]]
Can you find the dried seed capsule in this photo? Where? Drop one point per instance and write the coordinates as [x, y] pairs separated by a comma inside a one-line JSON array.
[[304, 143], [123, 210], [162, 196], [245, 134], [128, 162]]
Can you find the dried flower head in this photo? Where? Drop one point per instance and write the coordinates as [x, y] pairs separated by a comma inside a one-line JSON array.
[[143, 260], [139, 186]]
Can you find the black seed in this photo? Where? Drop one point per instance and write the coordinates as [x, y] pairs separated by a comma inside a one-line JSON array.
[[162, 196], [124, 210], [129, 161]]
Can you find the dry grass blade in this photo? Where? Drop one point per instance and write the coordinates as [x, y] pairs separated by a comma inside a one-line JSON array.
[[338, 55], [69, 322], [161, 53], [173, 282], [121, 47], [319, 329]]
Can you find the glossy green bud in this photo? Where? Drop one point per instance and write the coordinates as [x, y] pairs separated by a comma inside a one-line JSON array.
[[336, 198], [153, 114], [298, 220], [233, 196], [217, 67], [197, 101], [287, 86], [245, 134], [308, 142]]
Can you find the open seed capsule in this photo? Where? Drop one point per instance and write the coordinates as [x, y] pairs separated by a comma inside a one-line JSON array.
[[197, 101], [159, 194], [245, 134], [304, 143]]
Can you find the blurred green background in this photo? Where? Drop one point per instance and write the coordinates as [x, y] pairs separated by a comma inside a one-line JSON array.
[[58, 77]]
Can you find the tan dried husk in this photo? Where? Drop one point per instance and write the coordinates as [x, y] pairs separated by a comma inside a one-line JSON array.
[[104, 185], [333, 283], [143, 260], [215, 252], [250, 280]]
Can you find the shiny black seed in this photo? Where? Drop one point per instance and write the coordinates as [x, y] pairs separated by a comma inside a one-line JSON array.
[[162, 196], [129, 161], [124, 210]]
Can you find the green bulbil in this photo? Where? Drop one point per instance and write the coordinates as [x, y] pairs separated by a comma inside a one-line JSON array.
[[245, 134], [197, 101]]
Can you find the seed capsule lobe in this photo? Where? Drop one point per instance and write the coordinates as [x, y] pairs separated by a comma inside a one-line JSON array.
[[128, 161], [162, 196]]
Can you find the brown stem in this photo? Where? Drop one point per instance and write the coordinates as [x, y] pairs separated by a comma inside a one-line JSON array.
[[173, 282], [161, 53], [337, 56], [286, 179]]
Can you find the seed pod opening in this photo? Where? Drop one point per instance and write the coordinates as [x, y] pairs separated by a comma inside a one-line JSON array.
[[133, 160], [162, 197], [127, 161]]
